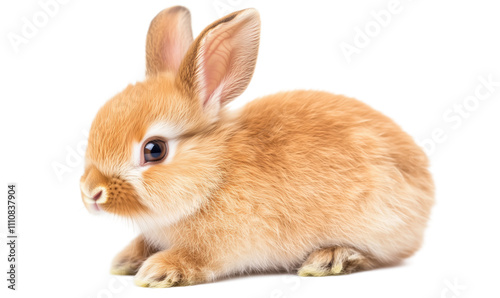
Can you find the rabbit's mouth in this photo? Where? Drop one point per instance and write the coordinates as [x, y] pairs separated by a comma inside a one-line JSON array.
[[95, 199], [113, 194], [95, 208]]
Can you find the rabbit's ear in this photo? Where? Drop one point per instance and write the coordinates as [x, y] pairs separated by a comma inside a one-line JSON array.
[[169, 38], [221, 61]]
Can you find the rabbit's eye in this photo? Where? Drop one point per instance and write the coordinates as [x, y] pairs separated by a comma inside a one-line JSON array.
[[155, 151]]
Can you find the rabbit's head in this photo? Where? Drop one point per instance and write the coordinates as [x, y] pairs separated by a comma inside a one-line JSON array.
[[148, 152]]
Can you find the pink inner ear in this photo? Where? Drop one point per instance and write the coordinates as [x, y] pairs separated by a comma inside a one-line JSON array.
[[226, 58], [215, 64], [170, 53], [169, 38], [174, 47]]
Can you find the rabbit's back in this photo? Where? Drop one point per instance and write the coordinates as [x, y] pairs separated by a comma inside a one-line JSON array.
[[310, 169]]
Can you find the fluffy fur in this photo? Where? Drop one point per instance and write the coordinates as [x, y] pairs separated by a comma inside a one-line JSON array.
[[301, 180]]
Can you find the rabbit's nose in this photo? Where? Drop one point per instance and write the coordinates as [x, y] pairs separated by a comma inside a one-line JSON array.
[[97, 195], [93, 186]]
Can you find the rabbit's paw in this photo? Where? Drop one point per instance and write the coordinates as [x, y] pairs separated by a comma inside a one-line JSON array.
[[128, 261], [334, 261], [126, 268], [166, 269]]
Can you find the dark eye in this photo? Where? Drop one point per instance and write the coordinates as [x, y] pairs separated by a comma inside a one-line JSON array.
[[154, 151]]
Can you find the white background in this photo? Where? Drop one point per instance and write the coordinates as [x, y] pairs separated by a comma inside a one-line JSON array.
[[428, 58]]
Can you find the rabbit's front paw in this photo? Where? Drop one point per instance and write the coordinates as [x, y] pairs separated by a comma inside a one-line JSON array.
[[167, 269], [125, 266], [128, 261]]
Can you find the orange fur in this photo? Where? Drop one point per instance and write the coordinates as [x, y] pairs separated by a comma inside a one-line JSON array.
[[289, 175]]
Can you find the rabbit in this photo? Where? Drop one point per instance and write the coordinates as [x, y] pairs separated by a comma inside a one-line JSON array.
[[299, 181]]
